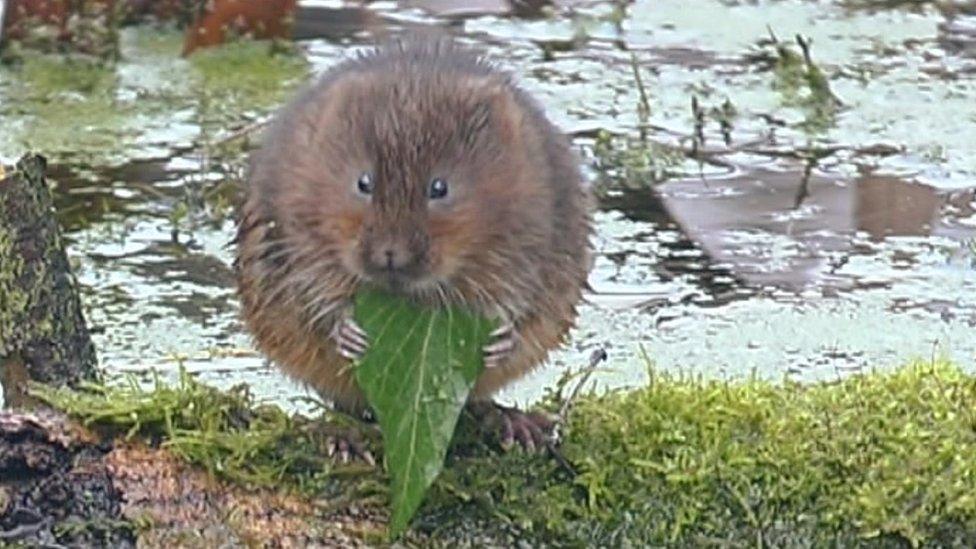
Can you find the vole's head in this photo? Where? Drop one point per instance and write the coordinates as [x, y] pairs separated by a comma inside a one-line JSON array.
[[417, 170]]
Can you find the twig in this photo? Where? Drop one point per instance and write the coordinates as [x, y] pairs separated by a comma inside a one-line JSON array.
[[24, 529], [560, 459], [711, 155], [242, 132], [643, 103], [596, 357]]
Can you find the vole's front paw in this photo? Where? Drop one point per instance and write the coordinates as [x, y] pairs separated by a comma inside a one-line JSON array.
[[501, 345], [350, 338]]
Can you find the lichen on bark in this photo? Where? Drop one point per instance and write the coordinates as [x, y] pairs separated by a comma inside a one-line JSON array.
[[42, 326]]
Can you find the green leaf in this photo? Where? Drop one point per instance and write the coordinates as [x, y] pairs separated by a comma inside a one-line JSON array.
[[418, 371]]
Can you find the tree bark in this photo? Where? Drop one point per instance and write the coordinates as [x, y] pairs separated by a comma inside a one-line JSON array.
[[43, 335]]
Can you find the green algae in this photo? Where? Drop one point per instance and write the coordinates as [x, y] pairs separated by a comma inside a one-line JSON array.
[[877, 62], [878, 459], [55, 104], [106, 113], [245, 76]]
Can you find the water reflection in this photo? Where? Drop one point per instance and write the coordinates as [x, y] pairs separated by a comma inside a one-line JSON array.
[[793, 228], [323, 21]]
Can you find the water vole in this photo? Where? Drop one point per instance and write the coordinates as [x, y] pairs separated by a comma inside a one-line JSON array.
[[421, 167]]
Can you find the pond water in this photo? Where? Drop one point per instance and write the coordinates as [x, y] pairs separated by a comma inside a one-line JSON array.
[[801, 233]]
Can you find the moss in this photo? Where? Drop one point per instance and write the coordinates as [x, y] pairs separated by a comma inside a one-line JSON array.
[[16, 297], [227, 432], [873, 460]]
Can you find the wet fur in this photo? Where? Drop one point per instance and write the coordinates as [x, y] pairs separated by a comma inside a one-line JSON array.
[[514, 243]]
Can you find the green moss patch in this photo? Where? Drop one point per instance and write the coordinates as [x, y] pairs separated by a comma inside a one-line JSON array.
[[873, 460], [226, 432], [879, 459]]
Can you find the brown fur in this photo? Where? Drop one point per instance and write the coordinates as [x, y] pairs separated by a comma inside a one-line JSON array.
[[511, 239]]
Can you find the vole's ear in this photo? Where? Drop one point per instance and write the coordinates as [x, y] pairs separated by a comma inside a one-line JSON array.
[[495, 107], [331, 103], [506, 113]]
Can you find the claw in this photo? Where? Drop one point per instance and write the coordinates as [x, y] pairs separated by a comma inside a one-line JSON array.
[[344, 449], [504, 329], [350, 339], [507, 438], [501, 346], [527, 434]]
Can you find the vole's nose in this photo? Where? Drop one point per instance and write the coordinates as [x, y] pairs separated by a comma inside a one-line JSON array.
[[391, 257], [397, 252]]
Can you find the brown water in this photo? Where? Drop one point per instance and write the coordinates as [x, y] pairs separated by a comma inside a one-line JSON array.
[[750, 259]]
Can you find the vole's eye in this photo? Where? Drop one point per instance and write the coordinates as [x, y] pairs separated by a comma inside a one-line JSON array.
[[438, 189], [365, 184]]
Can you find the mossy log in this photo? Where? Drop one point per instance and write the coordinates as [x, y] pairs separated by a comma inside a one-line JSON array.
[[62, 485], [56, 488], [43, 335]]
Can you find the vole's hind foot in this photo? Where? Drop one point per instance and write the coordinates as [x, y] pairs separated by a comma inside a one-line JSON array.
[[500, 347], [346, 450], [532, 431], [350, 339], [345, 445]]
